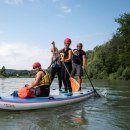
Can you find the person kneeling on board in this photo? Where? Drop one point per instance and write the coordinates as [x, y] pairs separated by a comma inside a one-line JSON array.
[[38, 88]]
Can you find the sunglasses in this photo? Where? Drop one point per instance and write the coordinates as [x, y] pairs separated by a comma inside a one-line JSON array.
[[34, 68]]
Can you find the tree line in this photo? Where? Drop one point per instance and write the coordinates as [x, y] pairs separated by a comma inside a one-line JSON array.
[[5, 73], [111, 60]]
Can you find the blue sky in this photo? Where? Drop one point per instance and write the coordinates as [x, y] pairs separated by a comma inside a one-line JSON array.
[[27, 27]]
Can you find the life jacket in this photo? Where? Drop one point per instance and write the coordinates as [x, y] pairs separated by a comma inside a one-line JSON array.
[[56, 63], [25, 92], [65, 53], [45, 80], [78, 57]]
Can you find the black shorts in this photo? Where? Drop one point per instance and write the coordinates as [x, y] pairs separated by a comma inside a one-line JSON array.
[[77, 70], [42, 91]]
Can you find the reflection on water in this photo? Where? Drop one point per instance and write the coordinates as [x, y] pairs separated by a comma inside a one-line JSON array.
[[18, 125], [110, 112]]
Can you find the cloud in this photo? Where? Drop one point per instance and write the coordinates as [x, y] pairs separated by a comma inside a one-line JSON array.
[[66, 9], [18, 2], [21, 55], [60, 15]]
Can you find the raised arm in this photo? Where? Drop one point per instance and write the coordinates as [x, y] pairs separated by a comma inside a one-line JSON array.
[[35, 83]]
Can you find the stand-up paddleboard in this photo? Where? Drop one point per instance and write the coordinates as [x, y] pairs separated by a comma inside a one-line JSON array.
[[56, 98]]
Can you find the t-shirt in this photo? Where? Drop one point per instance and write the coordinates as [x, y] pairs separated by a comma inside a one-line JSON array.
[[78, 57]]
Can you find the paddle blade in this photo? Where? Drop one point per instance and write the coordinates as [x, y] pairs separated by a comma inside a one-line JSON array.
[[74, 84]]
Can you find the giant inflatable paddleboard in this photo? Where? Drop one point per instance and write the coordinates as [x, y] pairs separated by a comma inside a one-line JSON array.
[[56, 98]]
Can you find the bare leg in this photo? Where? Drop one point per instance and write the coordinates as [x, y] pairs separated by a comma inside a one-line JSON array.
[[79, 81]]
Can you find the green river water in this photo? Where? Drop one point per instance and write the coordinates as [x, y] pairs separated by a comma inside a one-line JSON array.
[[110, 112]]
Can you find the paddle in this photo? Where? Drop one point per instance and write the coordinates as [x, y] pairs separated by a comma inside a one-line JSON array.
[[95, 92], [74, 84], [51, 64]]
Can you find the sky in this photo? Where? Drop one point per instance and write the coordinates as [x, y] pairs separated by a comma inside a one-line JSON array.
[[27, 27]]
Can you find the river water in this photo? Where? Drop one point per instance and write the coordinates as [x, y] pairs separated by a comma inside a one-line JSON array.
[[110, 112]]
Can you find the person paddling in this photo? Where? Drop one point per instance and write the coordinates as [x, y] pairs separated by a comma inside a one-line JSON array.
[[42, 81], [78, 63], [56, 66], [66, 57]]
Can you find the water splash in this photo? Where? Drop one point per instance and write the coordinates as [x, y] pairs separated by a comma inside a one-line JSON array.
[[103, 92]]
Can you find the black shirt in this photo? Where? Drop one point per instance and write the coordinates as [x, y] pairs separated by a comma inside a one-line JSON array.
[[78, 58]]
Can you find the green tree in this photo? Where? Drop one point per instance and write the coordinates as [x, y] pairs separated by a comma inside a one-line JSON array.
[[112, 59], [3, 71], [124, 26]]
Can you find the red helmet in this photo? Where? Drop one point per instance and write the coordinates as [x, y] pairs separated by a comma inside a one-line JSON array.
[[80, 45], [67, 41], [36, 64]]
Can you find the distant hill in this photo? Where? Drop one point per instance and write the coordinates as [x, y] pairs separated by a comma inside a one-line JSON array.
[[11, 71], [16, 73]]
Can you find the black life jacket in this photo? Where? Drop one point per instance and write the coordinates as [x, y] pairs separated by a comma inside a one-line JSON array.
[[78, 58], [66, 53]]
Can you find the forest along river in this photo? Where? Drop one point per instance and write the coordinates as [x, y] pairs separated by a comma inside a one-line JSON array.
[[110, 112]]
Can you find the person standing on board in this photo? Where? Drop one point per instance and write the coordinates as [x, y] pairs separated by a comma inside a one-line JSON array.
[[66, 57], [78, 63], [56, 66], [42, 81]]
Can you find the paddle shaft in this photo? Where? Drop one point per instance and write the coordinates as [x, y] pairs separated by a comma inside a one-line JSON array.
[[91, 83], [51, 64], [66, 68], [89, 79]]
